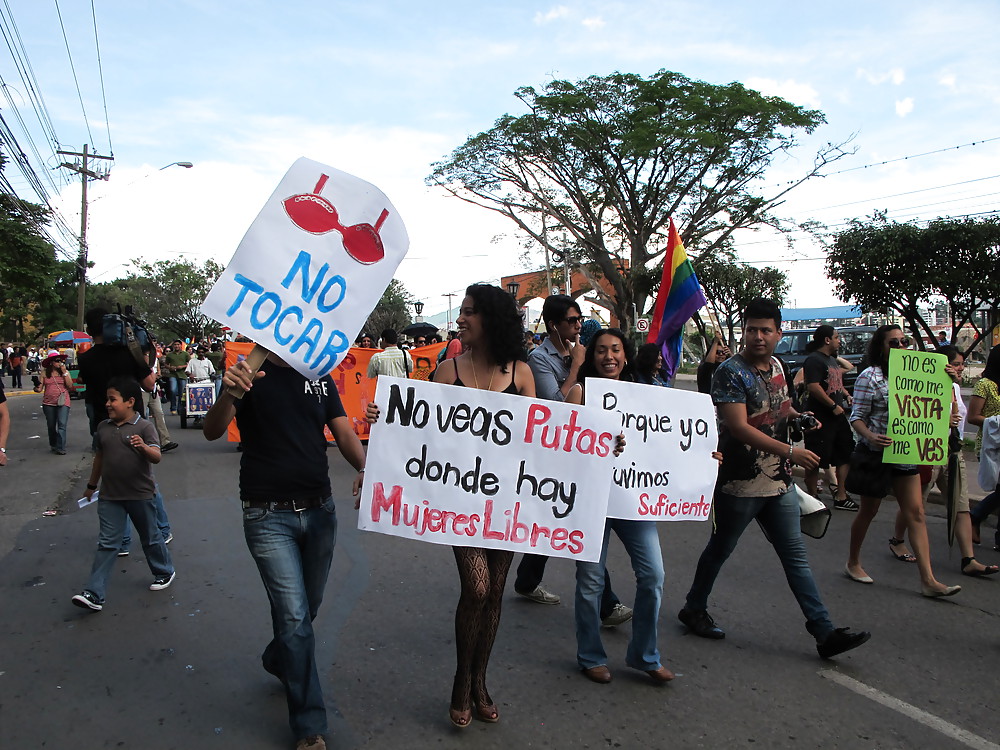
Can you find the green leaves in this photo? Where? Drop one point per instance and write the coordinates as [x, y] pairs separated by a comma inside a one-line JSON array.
[[608, 159]]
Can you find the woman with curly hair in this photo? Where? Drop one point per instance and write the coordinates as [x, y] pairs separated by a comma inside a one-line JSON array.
[[870, 420], [490, 331], [609, 355]]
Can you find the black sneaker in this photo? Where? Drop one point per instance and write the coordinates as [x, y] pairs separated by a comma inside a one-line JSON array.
[[846, 504], [841, 640], [700, 623], [161, 582], [169, 447], [88, 600]]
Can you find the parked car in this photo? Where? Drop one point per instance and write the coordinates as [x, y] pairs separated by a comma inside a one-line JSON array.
[[853, 344]]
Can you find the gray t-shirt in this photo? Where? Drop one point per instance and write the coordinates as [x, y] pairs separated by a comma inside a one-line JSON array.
[[125, 473]]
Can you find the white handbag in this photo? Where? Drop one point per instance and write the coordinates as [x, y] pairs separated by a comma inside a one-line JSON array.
[[814, 516]]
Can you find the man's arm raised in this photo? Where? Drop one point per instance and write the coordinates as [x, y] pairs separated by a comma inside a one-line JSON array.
[[223, 411]]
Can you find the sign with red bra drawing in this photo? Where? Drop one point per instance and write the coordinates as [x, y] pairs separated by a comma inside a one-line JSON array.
[[311, 267]]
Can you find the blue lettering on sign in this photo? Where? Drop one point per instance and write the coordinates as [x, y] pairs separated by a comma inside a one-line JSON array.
[[268, 311]]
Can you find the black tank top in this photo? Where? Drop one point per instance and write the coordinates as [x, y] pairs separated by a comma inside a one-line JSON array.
[[509, 389]]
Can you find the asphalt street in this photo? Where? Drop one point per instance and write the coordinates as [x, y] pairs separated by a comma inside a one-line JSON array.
[[180, 668]]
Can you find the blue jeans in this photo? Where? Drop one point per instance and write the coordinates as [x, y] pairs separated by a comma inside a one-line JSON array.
[[162, 522], [642, 542], [56, 417], [114, 517], [778, 516], [293, 551], [175, 386]]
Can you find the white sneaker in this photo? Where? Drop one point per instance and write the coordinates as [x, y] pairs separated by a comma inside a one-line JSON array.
[[540, 595], [162, 582], [620, 614]]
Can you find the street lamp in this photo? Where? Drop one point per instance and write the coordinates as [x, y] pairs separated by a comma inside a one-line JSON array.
[[185, 164], [418, 307], [512, 289]]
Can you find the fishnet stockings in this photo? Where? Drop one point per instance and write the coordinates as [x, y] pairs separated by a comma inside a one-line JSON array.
[[483, 573]]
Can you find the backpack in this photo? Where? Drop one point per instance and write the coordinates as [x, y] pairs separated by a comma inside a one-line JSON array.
[[122, 330]]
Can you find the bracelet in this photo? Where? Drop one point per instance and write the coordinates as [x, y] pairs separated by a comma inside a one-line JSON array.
[[91, 486], [791, 447], [361, 470]]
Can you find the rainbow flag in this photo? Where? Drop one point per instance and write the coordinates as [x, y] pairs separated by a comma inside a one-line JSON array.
[[680, 296]]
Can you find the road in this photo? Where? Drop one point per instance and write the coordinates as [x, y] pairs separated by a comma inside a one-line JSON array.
[[180, 668]]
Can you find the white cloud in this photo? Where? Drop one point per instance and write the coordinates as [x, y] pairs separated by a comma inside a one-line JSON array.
[[559, 11], [594, 23], [904, 106], [797, 93], [895, 76], [948, 80]]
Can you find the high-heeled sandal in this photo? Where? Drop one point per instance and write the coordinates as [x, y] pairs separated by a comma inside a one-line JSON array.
[[906, 556], [461, 718], [987, 570], [486, 712]]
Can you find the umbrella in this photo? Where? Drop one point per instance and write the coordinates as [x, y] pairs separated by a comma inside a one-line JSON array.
[[956, 481], [420, 329], [69, 338]]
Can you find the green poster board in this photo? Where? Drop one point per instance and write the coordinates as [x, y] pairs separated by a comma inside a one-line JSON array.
[[920, 395]]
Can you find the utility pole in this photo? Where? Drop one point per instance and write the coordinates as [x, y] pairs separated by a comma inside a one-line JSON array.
[[449, 295], [80, 167]]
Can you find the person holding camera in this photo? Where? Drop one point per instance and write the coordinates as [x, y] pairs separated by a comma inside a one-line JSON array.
[[56, 384], [754, 405]]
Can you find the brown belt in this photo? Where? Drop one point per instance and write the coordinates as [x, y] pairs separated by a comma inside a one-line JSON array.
[[295, 505]]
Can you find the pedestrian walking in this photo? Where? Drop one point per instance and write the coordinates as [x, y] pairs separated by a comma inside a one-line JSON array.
[[289, 516], [127, 446], [56, 385]]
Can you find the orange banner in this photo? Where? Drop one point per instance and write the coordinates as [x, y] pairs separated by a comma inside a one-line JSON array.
[[351, 377]]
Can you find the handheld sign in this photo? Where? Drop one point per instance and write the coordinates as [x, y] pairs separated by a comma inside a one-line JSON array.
[[667, 472], [472, 468], [920, 395], [311, 267]]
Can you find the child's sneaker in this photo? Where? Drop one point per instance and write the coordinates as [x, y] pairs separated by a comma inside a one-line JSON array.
[[88, 600], [161, 582]]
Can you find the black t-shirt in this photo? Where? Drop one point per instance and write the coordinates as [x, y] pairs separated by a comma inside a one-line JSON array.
[[3, 398], [825, 370], [100, 363], [705, 372], [281, 422]]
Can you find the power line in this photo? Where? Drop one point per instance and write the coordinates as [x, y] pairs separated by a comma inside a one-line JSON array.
[[899, 195], [72, 67], [100, 70]]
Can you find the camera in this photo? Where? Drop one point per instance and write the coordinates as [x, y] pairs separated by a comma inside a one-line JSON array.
[[800, 424]]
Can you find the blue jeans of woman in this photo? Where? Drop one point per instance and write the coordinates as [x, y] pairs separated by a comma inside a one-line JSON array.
[[293, 551], [642, 542], [114, 515], [778, 516], [56, 417]]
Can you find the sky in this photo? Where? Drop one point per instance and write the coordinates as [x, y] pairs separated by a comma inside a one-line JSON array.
[[383, 90]]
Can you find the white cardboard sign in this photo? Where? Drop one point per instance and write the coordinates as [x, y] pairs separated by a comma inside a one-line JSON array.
[[466, 467], [666, 472], [311, 267]]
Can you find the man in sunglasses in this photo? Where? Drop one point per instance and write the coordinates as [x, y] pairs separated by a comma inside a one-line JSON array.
[[555, 365]]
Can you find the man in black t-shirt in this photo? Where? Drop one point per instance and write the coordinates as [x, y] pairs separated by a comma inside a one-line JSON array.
[[289, 518], [4, 426], [829, 400], [102, 362]]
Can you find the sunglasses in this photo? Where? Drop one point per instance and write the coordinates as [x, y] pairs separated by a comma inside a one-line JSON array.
[[573, 320], [895, 343]]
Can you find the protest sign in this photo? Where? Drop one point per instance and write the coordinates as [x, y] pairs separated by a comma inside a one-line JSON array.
[[666, 472], [920, 396], [311, 267], [474, 468]]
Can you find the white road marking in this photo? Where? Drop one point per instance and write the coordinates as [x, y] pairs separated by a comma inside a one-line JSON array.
[[919, 715]]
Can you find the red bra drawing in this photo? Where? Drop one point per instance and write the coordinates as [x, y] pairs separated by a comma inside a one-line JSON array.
[[316, 215]]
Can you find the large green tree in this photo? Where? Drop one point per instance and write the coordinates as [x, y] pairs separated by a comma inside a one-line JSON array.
[[392, 310], [166, 294], [606, 161], [731, 286], [884, 265]]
